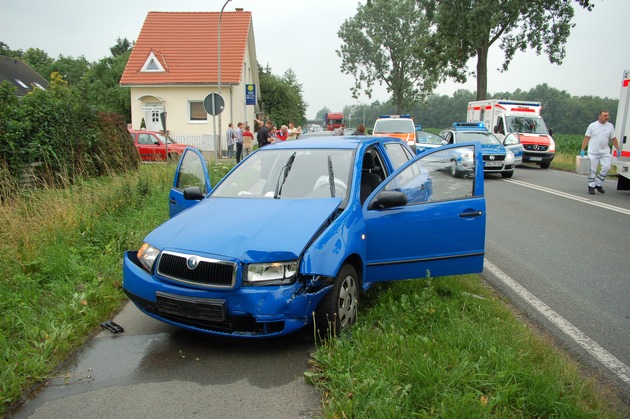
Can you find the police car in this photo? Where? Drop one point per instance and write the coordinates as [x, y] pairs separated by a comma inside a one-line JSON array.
[[497, 157]]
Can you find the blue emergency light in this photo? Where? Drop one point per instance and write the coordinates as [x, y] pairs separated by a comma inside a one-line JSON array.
[[480, 126], [395, 116]]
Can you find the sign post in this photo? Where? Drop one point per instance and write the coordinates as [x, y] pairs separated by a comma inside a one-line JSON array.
[[214, 105], [163, 119]]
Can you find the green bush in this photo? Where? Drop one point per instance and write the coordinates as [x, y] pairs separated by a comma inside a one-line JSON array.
[[58, 130]]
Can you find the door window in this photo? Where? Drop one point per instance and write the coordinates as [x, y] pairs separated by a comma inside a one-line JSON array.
[[191, 173]]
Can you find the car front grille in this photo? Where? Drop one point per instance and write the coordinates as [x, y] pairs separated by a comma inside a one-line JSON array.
[[493, 157], [196, 270], [535, 147]]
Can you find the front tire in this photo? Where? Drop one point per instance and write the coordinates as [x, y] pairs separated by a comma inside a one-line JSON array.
[[507, 175], [337, 311], [545, 165]]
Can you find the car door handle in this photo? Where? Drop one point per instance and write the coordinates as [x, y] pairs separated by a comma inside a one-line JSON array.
[[471, 214], [172, 201]]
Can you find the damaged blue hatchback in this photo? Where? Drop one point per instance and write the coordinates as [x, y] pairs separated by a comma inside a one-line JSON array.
[[295, 232]]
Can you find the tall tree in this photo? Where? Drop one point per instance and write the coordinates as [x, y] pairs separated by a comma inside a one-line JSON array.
[[122, 47], [467, 29], [282, 97], [378, 47]]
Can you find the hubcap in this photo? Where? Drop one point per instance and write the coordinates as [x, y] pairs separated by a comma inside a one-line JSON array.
[[347, 306]]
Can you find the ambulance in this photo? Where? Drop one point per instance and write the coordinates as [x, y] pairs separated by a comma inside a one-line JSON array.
[[622, 126], [398, 126], [522, 118]]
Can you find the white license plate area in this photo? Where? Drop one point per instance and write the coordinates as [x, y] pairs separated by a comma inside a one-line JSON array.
[[493, 163], [535, 158]]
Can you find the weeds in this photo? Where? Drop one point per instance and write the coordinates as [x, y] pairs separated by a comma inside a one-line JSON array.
[[60, 250]]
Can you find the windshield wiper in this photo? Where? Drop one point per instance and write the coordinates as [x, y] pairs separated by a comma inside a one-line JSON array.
[[282, 177], [331, 177]]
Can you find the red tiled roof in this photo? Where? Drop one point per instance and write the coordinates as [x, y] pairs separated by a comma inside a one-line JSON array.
[[185, 43]]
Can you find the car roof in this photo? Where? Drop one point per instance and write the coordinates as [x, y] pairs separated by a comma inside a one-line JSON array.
[[339, 142]]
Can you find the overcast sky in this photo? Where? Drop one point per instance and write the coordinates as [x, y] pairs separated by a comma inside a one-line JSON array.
[[302, 35]]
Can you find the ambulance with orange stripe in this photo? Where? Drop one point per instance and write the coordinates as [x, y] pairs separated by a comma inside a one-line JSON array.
[[622, 127], [517, 118], [397, 126]]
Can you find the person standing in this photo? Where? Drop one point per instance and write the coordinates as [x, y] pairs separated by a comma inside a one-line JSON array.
[[229, 136], [248, 142], [238, 140], [360, 130], [283, 134], [339, 131], [597, 138], [263, 135], [294, 132]]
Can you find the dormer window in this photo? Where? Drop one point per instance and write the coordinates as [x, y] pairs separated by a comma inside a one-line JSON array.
[[152, 65], [21, 83]]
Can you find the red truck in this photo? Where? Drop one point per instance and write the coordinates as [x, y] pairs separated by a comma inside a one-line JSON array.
[[332, 120]]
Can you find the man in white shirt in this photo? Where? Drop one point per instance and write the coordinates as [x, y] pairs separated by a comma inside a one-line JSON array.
[[598, 134]]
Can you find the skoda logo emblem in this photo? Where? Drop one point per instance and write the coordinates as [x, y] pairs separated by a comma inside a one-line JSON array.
[[491, 157], [192, 262]]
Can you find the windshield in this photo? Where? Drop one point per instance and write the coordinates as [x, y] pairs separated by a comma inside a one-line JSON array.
[[482, 137], [423, 137], [404, 126], [163, 139], [526, 124], [290, 173]]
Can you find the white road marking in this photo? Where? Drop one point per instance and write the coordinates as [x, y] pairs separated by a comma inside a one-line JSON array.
[[620, 369], [569, 196]]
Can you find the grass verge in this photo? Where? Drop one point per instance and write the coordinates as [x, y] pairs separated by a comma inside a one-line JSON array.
[[60, 252], [447, 348]]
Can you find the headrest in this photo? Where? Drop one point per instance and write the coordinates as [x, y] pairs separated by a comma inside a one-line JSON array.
[[369, 162]]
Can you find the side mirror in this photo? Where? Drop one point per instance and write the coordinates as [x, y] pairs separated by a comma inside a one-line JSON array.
[[496, 129], [193, 193], [388, 199]]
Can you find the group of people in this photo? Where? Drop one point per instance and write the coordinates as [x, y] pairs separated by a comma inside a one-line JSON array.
[[268, 133], [240, 138]]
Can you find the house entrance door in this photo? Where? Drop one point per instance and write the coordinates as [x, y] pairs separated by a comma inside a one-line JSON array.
[[152, 112]]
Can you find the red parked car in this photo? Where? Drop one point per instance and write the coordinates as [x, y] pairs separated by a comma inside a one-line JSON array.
[[152, 145]]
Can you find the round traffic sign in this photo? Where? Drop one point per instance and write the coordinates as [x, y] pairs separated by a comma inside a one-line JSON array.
[[213, 104]]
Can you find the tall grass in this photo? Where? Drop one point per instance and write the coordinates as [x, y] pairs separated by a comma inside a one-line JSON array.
[[60, 253]]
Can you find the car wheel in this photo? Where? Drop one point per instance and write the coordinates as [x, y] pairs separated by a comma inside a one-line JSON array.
[[507, 175], [337, 311], [545, 165]]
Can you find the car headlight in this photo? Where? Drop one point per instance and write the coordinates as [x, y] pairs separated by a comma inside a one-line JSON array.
[[509, 157], [552, 145], [277, 272], [147, 255]]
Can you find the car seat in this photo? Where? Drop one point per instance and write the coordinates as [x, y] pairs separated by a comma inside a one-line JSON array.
[[370, 177]]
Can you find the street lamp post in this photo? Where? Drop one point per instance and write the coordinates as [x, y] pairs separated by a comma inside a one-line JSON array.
[[219, 66]]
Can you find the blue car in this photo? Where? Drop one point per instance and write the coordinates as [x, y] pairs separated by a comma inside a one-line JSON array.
[[497, 157], [295, 232]]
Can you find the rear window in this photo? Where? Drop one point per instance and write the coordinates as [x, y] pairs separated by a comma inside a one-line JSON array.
[[403, 126]]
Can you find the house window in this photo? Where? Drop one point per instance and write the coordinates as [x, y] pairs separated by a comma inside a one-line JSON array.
[[196, 112], [152, 64], [21, 83]]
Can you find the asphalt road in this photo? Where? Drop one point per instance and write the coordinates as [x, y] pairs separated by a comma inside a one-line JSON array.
[[570, 251], [565, 247], [153, 370]]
